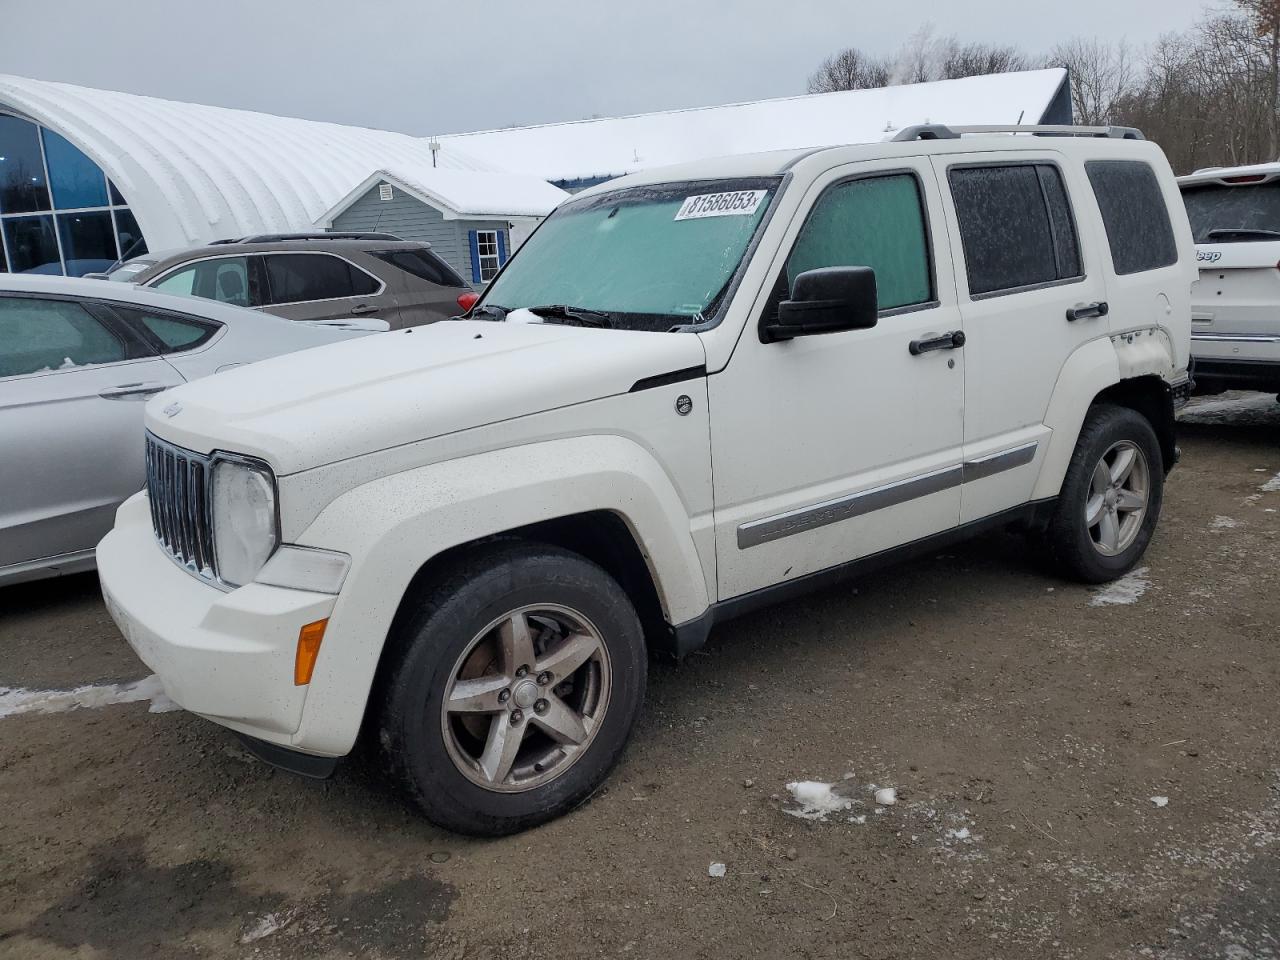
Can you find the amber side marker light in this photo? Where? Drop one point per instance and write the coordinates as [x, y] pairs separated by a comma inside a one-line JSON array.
[[309, 638]]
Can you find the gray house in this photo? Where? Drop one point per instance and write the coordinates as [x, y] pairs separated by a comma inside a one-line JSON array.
[[474, 220]]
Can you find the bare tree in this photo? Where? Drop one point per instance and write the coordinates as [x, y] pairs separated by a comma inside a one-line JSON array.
[[978, 59], [919, 59], [1102, 74], [1264, 17], [850, 69]]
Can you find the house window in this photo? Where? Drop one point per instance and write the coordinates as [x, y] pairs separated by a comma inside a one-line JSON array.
[[487, 254]]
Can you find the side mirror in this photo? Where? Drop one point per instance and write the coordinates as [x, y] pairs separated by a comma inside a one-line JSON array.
[[827, 300]]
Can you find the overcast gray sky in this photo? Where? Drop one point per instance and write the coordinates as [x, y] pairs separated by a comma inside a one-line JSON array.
[[433, 67]]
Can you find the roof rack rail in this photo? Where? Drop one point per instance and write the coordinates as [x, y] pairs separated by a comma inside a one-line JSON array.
[[278, 237], [940, 131]]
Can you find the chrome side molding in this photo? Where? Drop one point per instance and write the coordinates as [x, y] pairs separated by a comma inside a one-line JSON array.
[[755, 532]]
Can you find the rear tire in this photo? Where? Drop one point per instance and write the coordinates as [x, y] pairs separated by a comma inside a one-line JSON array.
[[1111, 496], [515, 687]]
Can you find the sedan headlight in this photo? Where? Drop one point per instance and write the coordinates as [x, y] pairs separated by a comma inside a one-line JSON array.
[[245, 525]]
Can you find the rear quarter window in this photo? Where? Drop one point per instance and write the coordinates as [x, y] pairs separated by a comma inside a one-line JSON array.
[[422, 264], [1134, 213], [171, 332]]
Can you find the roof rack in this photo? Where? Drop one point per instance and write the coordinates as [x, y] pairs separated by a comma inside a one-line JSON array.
[[278, 237], [940, 131]]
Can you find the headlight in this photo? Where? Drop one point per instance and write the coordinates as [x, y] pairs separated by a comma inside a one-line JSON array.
[[245, 530]]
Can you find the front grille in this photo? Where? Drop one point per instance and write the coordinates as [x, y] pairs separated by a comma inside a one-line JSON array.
[[178, 487]]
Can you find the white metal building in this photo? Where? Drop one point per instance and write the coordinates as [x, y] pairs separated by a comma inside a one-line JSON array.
[[88, 175]]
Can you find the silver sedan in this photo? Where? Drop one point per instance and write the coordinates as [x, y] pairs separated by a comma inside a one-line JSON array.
[[77, 360]]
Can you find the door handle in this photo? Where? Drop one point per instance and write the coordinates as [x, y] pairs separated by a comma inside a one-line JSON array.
[[1087, 311], [360, 308], [946, 341], [133, 391]]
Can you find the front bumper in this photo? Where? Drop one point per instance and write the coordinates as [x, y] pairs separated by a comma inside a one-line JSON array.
[[228, 657]]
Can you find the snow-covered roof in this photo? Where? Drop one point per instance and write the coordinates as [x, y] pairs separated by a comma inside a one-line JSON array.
[[194, 173], [589, 149], [460, 194]]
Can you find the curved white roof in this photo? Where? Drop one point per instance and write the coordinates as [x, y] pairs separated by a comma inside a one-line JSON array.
[[610, 147], [194, 173]]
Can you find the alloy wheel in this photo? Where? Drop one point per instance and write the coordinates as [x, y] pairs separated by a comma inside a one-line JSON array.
[[1119, 494], [526, 698]]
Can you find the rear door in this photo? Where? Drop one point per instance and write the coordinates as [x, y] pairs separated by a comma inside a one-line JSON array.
[[1031, 288], [72, 385], [323, 286], [1235, 303]]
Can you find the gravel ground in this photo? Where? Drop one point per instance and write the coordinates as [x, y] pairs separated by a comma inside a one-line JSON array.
[[1025, 723]]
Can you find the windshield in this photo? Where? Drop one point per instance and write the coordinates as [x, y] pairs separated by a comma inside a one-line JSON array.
[[1232, 213], [649, 258], [129, 270]]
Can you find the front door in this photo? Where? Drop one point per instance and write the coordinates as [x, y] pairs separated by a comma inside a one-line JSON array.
[[72, 389], [834, 447]]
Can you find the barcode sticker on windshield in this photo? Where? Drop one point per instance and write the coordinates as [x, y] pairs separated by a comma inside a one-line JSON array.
[[739, 203]]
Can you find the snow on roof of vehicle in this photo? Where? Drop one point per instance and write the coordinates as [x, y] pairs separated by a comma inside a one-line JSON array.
[[460, 194], [593, 149], [193, 173]]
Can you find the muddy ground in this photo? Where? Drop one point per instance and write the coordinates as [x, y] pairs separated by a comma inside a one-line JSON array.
[[1025, 729]]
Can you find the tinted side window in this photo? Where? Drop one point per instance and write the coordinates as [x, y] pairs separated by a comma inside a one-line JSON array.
[[172, 331], [300, 277], [41, 335], [1015, 225], [1133, 211], [875, 222], [422, 264]]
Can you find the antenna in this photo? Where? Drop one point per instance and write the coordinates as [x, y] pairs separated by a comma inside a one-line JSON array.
[[434, 144]]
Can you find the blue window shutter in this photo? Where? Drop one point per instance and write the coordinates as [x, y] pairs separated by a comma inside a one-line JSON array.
[[475, 256], [502, 247]]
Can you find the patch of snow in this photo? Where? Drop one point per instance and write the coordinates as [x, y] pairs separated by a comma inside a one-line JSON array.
[[1126, 590], [886, 796], [1272, 485], [521, 315], [267, 924], [1160, 801], [817, 800], [716, 870], [17, 701], [961, 834], [1224, 523], [859, 820]]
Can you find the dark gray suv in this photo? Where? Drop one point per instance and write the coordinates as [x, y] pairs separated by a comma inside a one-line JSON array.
[[311, 276]]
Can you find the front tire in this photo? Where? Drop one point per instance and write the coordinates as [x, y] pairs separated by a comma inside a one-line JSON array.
[[1111, 496], [519, 678]]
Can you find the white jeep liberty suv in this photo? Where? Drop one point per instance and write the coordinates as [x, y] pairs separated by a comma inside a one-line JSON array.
[[693, 391]]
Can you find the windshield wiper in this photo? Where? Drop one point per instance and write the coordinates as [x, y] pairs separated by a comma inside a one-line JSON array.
[[579, 316], [490, 310], [1241, 233]]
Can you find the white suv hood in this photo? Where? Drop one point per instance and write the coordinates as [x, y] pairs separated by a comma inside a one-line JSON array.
[[318, 406]]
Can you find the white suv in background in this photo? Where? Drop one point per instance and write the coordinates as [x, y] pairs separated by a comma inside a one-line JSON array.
[[1235, 305], [466, 538]]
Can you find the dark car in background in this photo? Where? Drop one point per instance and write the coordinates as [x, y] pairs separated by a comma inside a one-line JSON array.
[[311, 276]]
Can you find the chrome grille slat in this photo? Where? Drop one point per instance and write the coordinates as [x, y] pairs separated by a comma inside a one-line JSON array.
[[178, 490]]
